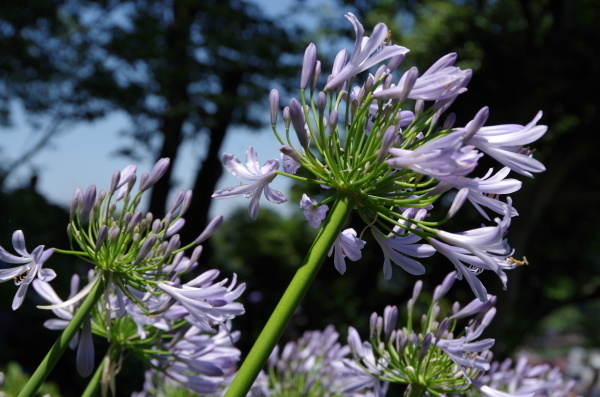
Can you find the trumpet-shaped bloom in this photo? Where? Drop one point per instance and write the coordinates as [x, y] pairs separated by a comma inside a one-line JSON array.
[[505, 144], [442, 157], [30, 266], [347, 244], [261, 176], [368, 51]]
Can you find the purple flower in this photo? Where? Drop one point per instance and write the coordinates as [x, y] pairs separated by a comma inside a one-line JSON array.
[[346, 245], [364, 47], [290, 165], [261, 175], [505, 144], [395, 249], [314, 214], [439, 158], [30, 266]]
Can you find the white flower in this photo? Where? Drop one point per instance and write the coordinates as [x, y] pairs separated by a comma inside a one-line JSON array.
[[314, 214], [252, 172], [30, 266]]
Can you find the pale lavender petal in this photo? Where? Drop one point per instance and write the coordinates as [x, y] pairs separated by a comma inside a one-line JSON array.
[[85, 351], [18, 240], [274, 196]]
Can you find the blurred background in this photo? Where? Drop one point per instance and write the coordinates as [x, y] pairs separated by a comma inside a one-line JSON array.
[[88, 87]]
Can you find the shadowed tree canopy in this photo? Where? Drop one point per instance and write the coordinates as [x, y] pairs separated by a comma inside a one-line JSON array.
[[527, 55], [180, 69]]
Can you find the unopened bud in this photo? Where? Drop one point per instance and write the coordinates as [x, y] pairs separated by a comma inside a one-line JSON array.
[[287, 119], [210, 229], [449, 122], [369, 83], [274, 105], [321, 103], [157, 172], [145, 249], [175, 227], [174, 244], [114, 182], [333, 121], [308, 65], [442, 289], [315, 76], [425, 346], [417, 290], [379, 73], [395, 62], [458, 202], [156, 226], [419, 107], [102, 234], [387, 82], [187, 201], [88, 202], [288, 151], [386, 143], [298, 122], [177, 201], [408, 79], [477, 122], [113, 233], [135, 219], [196, 254], [167, 220], [390, 316]]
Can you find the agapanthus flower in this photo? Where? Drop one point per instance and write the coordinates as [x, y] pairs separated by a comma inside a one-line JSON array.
[[314, 213], [30, 266], [505, 143], [347, 245], [362, 58], [252, 172]]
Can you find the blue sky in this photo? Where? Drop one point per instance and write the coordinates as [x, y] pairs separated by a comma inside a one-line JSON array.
[[85, 153]]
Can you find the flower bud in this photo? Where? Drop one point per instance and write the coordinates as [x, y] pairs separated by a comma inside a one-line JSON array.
[[210, 229], [419, 106], [298, 122], [75, 203], [417, 290], [477, 122], [274, 105], [145, 249], [157, 172], [114, 182], [321, 103], [442, 328], [113, 233], [401, 341], [177, 201], [288, 151], [442, 289], [149, 218], [333, 121], [196, 254], [167, 220], [379, 73], [102, 233], [369, 83], [315, 76], [308, 65], [390, 316], [425, 346], [373, 326], [409, 78], [156, 226], [174, 244], [135, 219], [175, 227], [287, 119], [143, 179], [387, 82], [395, 62], [458, 202], [386, 143], [127, 218], [88, 202], [449, 122], [187, 200]]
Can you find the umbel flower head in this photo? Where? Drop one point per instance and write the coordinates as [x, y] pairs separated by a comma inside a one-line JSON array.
[[380, 141]]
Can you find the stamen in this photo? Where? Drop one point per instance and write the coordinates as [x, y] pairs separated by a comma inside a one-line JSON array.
[[518, 262]]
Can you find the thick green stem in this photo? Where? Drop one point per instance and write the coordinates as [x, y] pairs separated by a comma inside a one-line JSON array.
[[59, 347], [92, 386], [292, 297]]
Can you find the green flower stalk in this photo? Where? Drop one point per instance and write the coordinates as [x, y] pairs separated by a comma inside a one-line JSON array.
[[379, 148]]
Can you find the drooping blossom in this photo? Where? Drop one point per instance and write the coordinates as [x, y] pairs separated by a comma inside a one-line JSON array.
[[30, 266], [261, 176], [314, 214], [347, 244]]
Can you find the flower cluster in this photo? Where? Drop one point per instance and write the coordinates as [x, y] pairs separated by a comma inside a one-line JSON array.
[[314, 366], [441, 359], [376, 143]]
